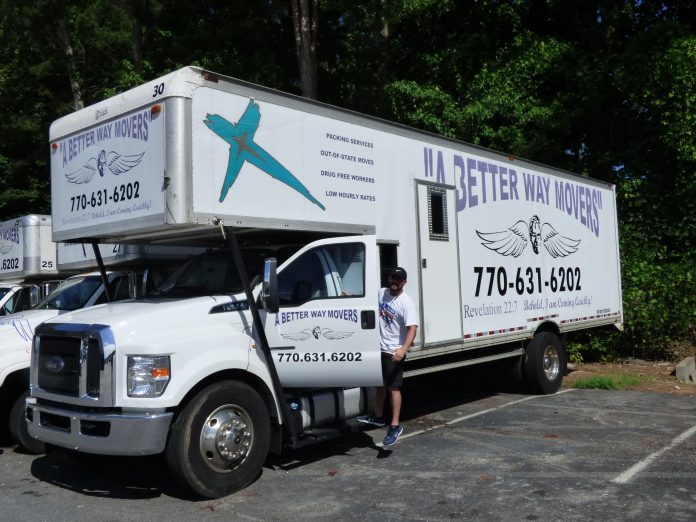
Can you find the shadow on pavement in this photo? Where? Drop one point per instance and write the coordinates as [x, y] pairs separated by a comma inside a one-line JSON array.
[[146, 477], [101, 476]]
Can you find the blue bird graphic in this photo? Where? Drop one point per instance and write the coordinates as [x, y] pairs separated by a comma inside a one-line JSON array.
[[240, 137]]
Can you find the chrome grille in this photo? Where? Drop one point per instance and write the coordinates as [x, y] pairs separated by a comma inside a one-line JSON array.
[[95, 365], [73, 363], [59, 365]]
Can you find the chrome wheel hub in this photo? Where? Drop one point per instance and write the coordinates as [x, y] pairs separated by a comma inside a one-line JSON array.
[[552, 363], [226, 438]]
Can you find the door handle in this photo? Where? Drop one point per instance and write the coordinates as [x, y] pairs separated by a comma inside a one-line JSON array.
[[367, 319]]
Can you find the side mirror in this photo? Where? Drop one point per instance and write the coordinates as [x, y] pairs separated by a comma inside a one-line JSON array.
[[34, 296], [141, 290], [269, 292], [133, 290]]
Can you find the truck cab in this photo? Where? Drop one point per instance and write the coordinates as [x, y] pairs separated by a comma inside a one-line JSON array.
[[17, 329], [19, 297], [197, 328]]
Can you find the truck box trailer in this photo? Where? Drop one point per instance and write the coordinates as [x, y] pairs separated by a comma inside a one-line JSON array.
[[272, 342], [28, 268]]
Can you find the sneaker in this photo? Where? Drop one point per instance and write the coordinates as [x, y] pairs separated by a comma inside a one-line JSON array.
[[393, 435], [371, 419]]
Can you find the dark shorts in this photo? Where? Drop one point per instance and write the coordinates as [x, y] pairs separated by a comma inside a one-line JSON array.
[[392, 371]]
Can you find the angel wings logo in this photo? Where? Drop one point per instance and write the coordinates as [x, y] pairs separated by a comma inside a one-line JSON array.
[[112, 161], [316, 332], [514, 240], [21, 325]]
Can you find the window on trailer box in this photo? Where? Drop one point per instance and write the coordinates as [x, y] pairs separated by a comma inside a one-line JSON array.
[[437, 214]]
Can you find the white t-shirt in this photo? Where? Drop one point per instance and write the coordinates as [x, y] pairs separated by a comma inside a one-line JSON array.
[[396, 313]]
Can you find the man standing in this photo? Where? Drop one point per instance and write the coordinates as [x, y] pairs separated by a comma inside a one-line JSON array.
[[397, 328]]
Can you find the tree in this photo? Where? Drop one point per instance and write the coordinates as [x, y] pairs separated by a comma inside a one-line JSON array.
[[610, 95], [305, 14]]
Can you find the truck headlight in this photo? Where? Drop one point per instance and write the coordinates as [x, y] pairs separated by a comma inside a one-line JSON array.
[[148, 376]]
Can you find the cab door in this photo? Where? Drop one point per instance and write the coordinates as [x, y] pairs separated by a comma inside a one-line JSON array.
[[325, 333]]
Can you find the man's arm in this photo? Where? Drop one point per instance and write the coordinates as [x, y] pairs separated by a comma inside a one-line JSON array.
[[400, 353]]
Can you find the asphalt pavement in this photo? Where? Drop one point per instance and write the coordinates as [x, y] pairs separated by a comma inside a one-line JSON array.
[[470, 451]]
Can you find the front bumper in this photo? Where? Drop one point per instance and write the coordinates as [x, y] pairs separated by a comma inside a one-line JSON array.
[[100, 433]]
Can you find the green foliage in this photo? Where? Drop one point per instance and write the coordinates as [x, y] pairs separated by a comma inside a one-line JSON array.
[[513, 103], [426, 107], [593, 346], [609, 382], [605, 89]]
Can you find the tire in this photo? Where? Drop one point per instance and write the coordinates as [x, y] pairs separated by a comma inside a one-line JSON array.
[[544, 363], [225, 413], [19, 432]]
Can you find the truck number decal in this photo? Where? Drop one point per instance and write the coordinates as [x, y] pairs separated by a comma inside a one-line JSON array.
[[319, 357], [527, 280], [158, 90], [124, 192]]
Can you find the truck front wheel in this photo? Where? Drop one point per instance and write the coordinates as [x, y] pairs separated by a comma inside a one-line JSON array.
[[544, 363], [220, 440], [19, 430]]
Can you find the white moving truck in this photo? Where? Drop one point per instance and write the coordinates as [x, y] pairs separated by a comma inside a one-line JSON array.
[[28, 268], [134, 271], [504, 256]]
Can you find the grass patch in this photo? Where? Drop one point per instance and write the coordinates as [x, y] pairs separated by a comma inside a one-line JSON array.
[[609, 382]]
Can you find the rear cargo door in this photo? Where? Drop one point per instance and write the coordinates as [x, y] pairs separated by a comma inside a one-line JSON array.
[[326, 333], [439, 264]]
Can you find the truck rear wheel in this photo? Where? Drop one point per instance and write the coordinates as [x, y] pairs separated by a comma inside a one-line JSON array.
[[220, 440], [544, 363], [19, 430]]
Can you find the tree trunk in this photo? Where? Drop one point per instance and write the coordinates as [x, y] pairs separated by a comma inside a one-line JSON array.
[[137, 40], [305, 15], [383, 48], [64, 37], [138, 12], [382, 44]]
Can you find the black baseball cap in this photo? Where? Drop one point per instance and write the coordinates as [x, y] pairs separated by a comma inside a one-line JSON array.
[[398, 272]]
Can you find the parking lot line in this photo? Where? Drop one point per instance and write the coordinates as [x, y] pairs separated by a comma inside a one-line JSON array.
[[640, 466], [477, 414]]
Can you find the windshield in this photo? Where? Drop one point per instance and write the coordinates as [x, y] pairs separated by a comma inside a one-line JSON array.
[[3, 291], [72, 294], [212, 273]]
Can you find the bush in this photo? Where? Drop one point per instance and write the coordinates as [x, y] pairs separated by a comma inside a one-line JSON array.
[[609, 382]]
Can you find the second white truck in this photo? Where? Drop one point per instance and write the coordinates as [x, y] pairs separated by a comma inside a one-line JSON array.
[[272, 341], [28, 266], [133, 270]]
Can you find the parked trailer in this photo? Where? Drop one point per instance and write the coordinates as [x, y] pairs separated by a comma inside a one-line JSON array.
[[504, 257], [28, 269]]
